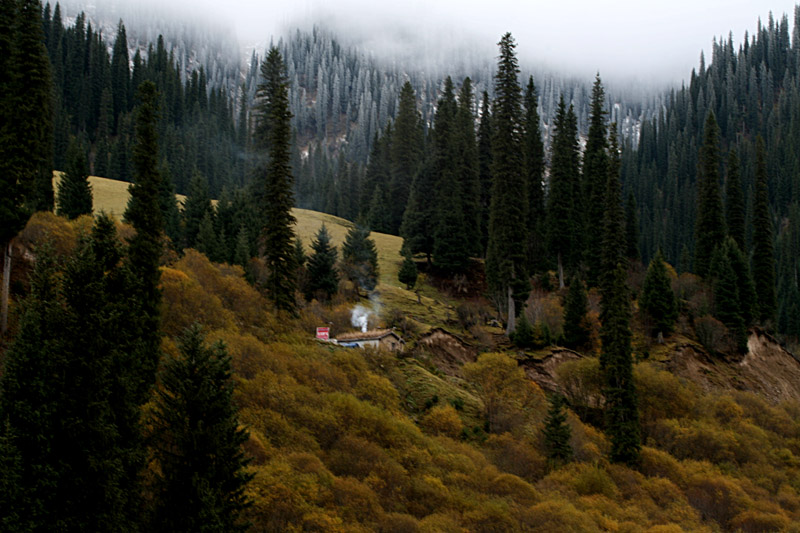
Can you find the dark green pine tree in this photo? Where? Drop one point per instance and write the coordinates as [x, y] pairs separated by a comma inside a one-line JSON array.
[[614, 249], [207, 240], [563, 220], [408, 270], [576, 328], [140, 298], [273, 135], [450, 245], [710, 224], [557, 432], [360, 258], [74, 191], [763, 246], [301, 259], [32, 149], [622, 412], [485, 168], [120, 76], [726, 296], [744, 281], [30, 406], [534, 177], [734, 201], [468, 168], [405, 155], [418, 220], [323, 280], [506, 258], [169, 205], [523, 336], [201, 479], [595, 172], [658, 302]]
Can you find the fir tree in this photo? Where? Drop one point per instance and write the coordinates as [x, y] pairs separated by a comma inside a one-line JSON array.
[[658, 301], [485, 168], [169, 205], [613, 251], [273, 135], [207, 241], [323, 280], [523, 336], [467, 168], [506, 257], [405, 154], [631, 229], [595, 171], [201, 479], [563, 221], [726, 296], [534, 174], [408, 270], [195, 207], [576, 330], [734, 200], [418, 220], [360, 258], [744, 281], [74, 191], [710, 224], [622, 414], [763, 247], [557, 432]]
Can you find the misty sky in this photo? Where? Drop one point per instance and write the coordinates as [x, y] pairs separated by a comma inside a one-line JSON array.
[[641, 39]]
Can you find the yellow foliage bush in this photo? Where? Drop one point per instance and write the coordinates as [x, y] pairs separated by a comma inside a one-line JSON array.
[[557, 516], [516, 457], [46, 227], [443, 420], [661, 395]]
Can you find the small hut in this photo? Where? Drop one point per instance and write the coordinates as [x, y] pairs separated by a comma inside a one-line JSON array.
[[384, 339]]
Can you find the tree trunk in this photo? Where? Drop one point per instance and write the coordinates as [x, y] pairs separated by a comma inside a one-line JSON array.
[[6, 285], [512, 318], [560, 272]]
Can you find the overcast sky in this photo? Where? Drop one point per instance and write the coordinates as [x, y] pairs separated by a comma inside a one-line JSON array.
[[642, 39]]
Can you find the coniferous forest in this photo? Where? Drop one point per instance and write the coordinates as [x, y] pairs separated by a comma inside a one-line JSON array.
[[593, 295]]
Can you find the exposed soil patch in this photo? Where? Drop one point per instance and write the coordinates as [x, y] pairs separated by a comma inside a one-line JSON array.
[[543, 371], [449, 352]]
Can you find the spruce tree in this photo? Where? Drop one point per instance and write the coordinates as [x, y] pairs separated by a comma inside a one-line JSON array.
[[207, 240], [506, 257], [323, 280], [195, 207], [32, 87], [734, 200], [726, 296], [408, 270], [658, 301], [201, 478], [710, 224], [418, 220], [614, 247], [360, 258], [622, 414], [744, 281], [763, 247], [534, 177], [485, 169], [576, 330], [557, 432], [405, 155], [563, 221], [169, 205], [74, 191], [273, 136], [631, 229], [595, 171], [467, 168]]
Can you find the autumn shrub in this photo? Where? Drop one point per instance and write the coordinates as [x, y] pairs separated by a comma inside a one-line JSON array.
[[514, 488], [516, 456], [592, 479], [355, 501], [754, 521], [658, 463], [186, 302], [545, 307], [355, 456], [556, 516], [442, 420], [717, 497], [661, 395], [491, 516], [581, 382], [46, 227], [398, 523], [713, 334]]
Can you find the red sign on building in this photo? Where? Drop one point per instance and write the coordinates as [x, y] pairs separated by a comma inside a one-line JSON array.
[[323, 333]]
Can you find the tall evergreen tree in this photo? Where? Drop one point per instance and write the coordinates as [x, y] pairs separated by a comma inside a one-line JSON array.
[[710, 225], [563, 220], [734, 200], [74, 191], [273, 135], [658, 301], [201, 479], [506, 257], [557, 432], [418, 220], [534, 177], [195, 207], [485, 168], [323, 280], [405, 154], [32, 85], [360, 258], [467, 166], [726, 296], [631, 229], [622, 413], [136, 366], [408, 270], [595, 172], [763, 246], [120, 75]]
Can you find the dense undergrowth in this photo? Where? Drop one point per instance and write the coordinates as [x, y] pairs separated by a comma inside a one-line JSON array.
[[350, 440]]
